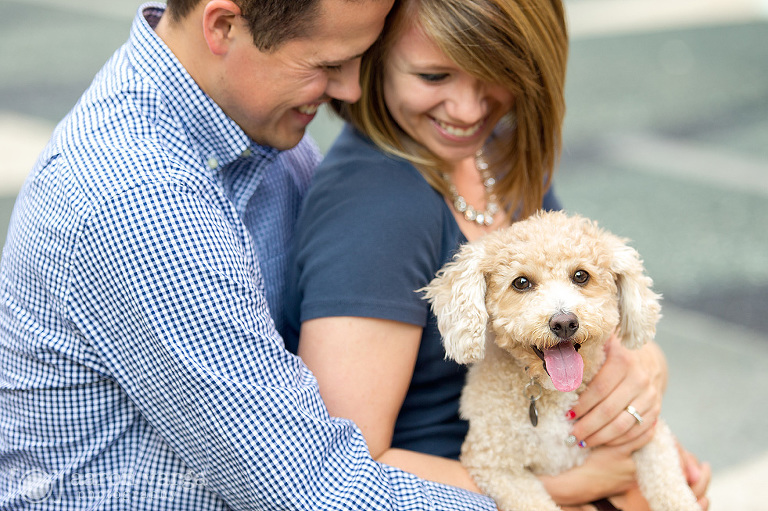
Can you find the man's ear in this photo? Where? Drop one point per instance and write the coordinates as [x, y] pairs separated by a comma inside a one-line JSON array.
[[219, 18]]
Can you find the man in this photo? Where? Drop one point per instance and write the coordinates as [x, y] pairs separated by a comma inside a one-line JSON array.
[[142, 278]]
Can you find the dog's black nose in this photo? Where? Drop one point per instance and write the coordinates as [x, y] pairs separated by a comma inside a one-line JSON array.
[[564, 324]]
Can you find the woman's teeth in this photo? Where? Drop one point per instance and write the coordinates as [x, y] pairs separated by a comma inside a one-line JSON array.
[[308, 109], [460, 132]]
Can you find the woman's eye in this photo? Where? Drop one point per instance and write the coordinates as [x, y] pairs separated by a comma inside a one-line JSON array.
[[433, 77], [580, 277], [522, 284]]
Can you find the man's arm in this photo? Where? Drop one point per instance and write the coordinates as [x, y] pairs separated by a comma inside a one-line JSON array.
[[169, 295]]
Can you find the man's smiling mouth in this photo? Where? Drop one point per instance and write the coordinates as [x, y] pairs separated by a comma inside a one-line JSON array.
[[309, 109]]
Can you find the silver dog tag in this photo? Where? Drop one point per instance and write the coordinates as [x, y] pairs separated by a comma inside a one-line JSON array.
[[533, 392], [533, 413]]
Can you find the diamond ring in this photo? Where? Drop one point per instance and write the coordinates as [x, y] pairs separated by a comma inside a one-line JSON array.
[[633, 412]]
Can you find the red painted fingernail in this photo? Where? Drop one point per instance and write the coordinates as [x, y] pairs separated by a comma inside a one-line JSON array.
[[570, 415]]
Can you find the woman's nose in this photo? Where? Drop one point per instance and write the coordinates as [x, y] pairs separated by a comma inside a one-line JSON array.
[[466, 103]]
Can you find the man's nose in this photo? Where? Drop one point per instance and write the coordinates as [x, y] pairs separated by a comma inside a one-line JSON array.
[[344, 85]]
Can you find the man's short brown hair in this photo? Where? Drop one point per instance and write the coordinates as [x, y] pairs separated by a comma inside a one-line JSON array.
[[272, 22]]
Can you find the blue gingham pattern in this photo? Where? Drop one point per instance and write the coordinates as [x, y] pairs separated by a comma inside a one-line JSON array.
[[141, 367]]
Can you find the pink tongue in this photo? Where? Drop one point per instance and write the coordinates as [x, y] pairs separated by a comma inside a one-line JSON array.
[[565, 366]]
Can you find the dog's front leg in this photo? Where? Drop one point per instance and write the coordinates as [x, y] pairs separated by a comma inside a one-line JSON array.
[[514, 491], [660, 476]]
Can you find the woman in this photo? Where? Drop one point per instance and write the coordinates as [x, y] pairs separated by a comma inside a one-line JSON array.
[[457, 133]]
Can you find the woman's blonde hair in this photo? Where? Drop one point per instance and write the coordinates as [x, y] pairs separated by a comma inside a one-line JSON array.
[[519, 44]]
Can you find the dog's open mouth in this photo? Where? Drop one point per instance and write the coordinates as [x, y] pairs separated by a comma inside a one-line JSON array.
[[563, 364]]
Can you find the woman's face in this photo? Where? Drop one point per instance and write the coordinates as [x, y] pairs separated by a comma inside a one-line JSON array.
[[437, 103]]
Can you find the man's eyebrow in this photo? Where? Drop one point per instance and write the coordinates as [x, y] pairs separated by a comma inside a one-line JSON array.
[[342, 61]]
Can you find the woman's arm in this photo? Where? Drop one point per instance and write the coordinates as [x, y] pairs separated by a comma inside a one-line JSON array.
[[364, 367]]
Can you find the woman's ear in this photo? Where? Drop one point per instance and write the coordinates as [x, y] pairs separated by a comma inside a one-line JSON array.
[[638, 305], [219, 18], [457, 296]]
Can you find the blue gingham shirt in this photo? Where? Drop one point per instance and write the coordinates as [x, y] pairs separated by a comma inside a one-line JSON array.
[[141, 367]]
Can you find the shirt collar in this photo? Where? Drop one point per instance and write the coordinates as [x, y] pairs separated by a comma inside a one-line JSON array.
[[219, 139]]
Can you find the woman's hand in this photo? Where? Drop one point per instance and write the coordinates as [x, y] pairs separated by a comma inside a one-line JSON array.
[[628, 377], [608, 471], [698, 475]]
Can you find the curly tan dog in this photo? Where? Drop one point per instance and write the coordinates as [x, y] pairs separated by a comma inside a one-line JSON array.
[[530, 308]]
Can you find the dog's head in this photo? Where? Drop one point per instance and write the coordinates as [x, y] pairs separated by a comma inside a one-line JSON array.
[[549, 290]]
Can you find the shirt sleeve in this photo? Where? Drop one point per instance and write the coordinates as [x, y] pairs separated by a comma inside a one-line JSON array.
[[550, 201], [368, 237], [164, 288]]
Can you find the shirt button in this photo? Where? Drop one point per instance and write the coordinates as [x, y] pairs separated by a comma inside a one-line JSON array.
[[213, 163], [247, 153]]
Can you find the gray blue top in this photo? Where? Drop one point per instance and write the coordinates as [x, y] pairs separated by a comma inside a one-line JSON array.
[[370, 233]]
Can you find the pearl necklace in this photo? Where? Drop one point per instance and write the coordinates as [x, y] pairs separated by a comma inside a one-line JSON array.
[[481, 218]]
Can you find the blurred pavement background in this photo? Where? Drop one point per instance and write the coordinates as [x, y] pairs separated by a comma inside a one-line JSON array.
[[666, 143]]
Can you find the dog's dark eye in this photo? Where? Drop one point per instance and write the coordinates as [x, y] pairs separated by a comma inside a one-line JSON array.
[[580, 277], [522, 284]]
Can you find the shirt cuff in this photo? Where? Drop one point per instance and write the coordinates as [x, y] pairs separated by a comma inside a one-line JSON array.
[[410, 491]]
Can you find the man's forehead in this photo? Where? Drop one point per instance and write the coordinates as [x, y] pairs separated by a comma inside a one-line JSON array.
[[343, 30], [348, 18]]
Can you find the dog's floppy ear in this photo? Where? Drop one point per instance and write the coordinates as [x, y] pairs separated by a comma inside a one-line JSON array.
[[457, 296], [638, 304]]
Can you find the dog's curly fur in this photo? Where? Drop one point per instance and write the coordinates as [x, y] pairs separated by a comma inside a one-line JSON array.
[[492, 319]]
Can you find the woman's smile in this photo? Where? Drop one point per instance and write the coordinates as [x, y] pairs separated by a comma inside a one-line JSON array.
[[456, 131]]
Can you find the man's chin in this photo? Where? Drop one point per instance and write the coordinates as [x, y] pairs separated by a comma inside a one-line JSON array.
[[281, 142]]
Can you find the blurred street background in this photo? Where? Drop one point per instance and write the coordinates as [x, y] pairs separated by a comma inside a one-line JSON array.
[[666, 143]]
